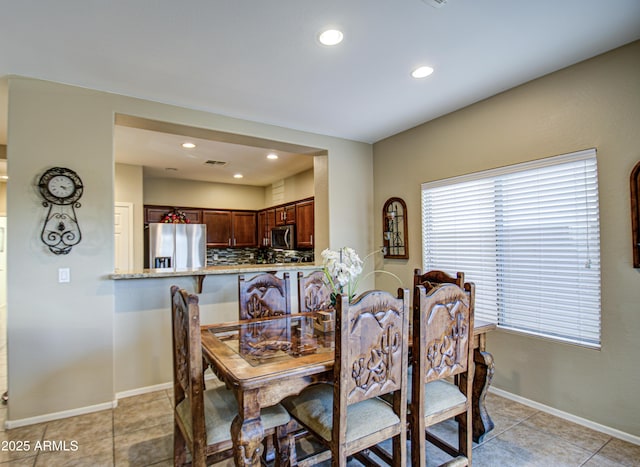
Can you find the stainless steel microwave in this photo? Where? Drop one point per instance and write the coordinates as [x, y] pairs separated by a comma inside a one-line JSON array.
[[283, 237]]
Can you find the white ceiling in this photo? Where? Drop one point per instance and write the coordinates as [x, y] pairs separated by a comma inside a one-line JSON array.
[[162, 156], [260, 60]]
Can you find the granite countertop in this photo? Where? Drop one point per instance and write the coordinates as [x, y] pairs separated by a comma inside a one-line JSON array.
[[209, 270]]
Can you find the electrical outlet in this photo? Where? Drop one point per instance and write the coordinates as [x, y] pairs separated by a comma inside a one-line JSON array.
[[64, 275]]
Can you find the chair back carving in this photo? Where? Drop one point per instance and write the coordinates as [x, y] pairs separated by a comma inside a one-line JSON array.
[[371, 345], [264, 295], [445, 321], [187, 361], [313, 292], [442, 347], [433, 278]]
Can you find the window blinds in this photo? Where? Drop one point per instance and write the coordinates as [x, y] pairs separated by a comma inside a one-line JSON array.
[[528, 235]]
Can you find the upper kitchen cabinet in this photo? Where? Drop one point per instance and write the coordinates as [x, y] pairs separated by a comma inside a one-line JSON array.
[[218, 228], [304, 224], [286, 214], [244, 228], [266, 221], [230, 228], [156, 214]]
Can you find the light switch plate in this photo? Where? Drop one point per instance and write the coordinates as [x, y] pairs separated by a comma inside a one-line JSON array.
[[64, 275]]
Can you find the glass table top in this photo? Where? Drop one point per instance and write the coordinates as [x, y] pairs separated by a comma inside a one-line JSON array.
[[278, 338]]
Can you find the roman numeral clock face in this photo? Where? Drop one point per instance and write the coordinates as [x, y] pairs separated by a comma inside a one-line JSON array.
[[60, 189]]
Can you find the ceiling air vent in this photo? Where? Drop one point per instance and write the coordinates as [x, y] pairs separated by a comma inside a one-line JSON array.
[[210, 162], [435, 3]]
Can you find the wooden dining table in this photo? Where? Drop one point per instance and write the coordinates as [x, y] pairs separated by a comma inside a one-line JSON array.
[[266, 360]]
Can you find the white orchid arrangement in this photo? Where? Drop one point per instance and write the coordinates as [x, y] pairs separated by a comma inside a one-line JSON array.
[[343, 269]]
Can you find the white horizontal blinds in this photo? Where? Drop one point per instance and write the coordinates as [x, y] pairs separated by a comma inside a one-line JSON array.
[[458, 229], [537, 226]]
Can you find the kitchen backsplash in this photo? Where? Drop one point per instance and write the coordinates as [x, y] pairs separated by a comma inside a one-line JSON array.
[[225, 256]]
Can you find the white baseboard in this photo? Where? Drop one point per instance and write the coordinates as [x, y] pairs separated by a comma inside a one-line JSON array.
[[9, 424], [144, 390], [567, 416], [157, 387]]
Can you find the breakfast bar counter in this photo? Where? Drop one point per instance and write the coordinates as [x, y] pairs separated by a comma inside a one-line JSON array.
[[200, 273]]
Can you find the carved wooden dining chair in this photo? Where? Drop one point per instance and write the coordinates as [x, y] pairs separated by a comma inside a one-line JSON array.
[[371, 358], [313, 292], [202, 418], [264, 295], [442, 350]]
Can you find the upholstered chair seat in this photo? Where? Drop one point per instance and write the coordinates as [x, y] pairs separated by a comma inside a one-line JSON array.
[[314, 408], [441, 395], [220, 408]]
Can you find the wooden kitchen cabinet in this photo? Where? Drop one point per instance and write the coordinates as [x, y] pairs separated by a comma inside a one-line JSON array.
[[304, 224], [266, 221], [230, 228], [286, 214], [244, 229], [218, 228]]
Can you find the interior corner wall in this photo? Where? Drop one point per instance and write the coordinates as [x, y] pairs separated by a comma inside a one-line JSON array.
[[77, 345], [128, 189], [595, 103]]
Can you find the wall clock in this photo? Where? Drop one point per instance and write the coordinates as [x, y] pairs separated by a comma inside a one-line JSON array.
[[60, 188]]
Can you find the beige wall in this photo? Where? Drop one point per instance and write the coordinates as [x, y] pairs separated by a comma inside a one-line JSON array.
[[191, 193], [72, 347], [592, 104], [128, 189], [298, 186]]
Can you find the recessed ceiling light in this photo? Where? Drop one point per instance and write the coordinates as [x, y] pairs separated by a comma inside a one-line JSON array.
[[238, 176], [422, 72], [272, 156], [330, 37], [188, 145]]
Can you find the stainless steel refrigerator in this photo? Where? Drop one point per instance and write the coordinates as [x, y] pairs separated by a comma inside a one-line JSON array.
[[177, 246]]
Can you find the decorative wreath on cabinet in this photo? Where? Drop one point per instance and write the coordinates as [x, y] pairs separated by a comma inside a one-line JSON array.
[[175, 217]]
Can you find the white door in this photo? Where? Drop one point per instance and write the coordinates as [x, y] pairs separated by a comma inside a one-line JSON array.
[[123, 236]]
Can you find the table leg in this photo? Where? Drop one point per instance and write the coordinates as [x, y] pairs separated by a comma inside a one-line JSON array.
[[247, 431], [286, 449], [482, 377]]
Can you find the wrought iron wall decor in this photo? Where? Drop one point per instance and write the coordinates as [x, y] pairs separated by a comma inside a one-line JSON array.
[[635, 214], [394, 226], [60, 188]]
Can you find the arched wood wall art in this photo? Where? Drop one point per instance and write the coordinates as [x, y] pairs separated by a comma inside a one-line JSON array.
[[394, 226], [635, 214]]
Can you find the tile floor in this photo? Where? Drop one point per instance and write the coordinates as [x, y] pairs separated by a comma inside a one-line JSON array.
[[139, 432]]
